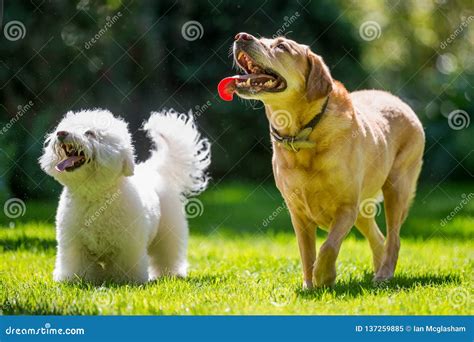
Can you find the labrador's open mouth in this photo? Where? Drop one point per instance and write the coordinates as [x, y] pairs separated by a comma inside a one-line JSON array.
[[73, 158], [257, 79]]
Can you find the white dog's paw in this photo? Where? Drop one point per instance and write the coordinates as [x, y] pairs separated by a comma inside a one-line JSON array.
[[63, 277], [180, 271]]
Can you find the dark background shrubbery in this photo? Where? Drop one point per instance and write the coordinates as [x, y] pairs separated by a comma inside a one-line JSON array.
[[143, 63]]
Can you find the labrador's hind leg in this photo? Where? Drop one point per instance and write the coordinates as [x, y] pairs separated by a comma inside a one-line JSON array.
[[368, 227], [398, 191]]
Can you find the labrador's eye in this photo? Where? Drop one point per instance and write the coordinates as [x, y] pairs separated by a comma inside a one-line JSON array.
[[89, 133], [282, 47]]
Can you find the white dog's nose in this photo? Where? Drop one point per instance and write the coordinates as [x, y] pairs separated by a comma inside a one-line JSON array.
[[62, 135]]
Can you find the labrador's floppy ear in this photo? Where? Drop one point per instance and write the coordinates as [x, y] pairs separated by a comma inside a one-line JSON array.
[[318, 79]]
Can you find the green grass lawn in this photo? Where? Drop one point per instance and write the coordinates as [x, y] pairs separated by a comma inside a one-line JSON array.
[[243, 263]]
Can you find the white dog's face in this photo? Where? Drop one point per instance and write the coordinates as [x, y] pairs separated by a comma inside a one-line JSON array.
[[88, 146]]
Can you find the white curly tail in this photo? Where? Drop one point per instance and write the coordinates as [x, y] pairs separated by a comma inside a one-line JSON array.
[[181, 154]]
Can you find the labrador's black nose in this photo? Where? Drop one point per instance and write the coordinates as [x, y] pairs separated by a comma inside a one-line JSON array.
[[243, 36], [62, 135]]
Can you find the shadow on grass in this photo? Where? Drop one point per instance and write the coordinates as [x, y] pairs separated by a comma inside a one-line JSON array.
[[195, 281], [356, 287], [27, 243], [198, 281]]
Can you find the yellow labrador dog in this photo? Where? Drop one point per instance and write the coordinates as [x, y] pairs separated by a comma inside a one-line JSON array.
[[335, 153]]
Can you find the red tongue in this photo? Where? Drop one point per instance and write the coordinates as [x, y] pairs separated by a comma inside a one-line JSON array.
[[68, 162], [226, 88]]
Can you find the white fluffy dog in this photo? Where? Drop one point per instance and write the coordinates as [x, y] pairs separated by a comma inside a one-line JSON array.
[[117, 221]]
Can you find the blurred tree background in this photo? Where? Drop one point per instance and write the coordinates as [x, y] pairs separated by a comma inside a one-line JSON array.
[[134, 57]]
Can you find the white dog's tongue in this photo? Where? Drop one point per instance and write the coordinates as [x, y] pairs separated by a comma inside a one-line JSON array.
[[68, 162]]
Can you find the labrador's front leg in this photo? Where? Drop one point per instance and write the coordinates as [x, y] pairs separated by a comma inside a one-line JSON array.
[[305, 234], [325, 267]]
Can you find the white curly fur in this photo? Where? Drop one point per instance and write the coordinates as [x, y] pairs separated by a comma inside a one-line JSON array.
[[117, 221]]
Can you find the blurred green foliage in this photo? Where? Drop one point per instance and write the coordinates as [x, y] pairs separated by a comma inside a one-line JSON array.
[[132, 58]]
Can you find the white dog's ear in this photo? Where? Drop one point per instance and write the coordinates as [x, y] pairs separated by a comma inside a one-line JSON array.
[[128, 163]]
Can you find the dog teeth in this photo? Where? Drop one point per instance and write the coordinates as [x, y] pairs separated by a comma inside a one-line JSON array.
[[253, 83], [269, 83], [71, 149]]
